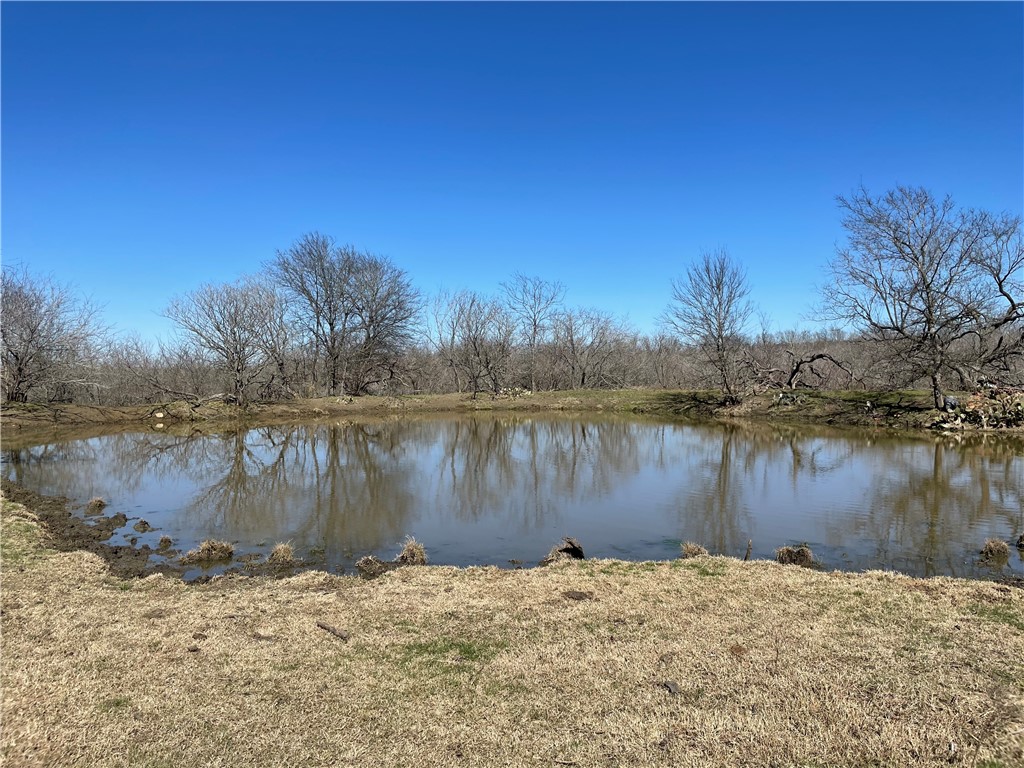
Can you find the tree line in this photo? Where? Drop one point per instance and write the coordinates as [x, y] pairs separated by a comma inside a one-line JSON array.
[[923, 293]]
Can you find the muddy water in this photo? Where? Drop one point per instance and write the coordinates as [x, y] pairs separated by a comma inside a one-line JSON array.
[[494, 490]]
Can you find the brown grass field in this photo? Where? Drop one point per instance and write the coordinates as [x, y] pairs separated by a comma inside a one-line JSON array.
[[706, 661]]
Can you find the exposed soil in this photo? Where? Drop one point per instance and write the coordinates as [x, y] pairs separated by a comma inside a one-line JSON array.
[[68, 533]]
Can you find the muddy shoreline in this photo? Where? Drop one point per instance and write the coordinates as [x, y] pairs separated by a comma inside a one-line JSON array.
[[891, 410], [66, 532]]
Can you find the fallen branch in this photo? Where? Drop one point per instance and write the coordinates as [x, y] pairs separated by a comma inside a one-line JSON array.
[[339, 633]]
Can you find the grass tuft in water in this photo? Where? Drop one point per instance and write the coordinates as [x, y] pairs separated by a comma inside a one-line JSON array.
[[801, 555], [210, 551]]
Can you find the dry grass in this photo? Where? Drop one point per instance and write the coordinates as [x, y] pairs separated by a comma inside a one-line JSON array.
[[210, 551], [166, 542], [282, 555], [96, 505], [802, 556], [995, 550], [481, 667], [413, 553], [689, 549]]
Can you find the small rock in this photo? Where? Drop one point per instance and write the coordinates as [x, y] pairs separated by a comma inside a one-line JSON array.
[[672, 687], [193, 649], [142, 526], [199, 635]]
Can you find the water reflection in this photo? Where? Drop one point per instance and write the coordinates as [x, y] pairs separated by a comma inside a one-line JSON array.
[[486, 490]]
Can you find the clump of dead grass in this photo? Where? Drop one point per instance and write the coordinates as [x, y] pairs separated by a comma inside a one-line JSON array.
[[689, 549], [166, 542], [282, 555], [995, 550], [370, 567], [413, 553], [568, 549], [96, 505], [801, 555], [210, 551]]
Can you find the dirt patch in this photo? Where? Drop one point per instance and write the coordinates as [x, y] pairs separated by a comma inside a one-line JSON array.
[[67, 533]]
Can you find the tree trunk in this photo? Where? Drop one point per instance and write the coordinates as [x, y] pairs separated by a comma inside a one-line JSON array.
[[940, 399]]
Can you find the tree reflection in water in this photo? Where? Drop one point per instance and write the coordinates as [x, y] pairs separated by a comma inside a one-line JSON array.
[[487, 489]]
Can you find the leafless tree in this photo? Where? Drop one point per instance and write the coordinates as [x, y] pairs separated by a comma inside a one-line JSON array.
[[387, 308], [473, 335], [359, 309], [533, 303], [227, 322], [710, 310], [49, 335], [937, 288], [586, 342], [318, 276]]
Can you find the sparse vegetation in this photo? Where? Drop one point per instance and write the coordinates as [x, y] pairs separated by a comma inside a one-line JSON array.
[[210, 551]]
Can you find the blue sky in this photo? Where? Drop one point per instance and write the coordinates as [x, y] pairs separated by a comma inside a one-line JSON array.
[[148, 148]]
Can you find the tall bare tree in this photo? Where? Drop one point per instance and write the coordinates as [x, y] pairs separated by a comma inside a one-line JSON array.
[[359, 309], [585, 341], [48, 335], [226, 322], [710, 310], [318, 276], [386, 310], [534, 303], [473, 335], [938, 289]]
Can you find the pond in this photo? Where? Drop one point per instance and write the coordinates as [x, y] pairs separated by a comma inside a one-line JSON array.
[[501, 490]]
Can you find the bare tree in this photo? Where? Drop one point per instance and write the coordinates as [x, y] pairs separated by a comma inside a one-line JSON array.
[[585, 342], [386, 309], [226, 322], [317, 274], [48, 335], [937, 288], [473, 335], [710, 310], [533, 303], [359, 309]]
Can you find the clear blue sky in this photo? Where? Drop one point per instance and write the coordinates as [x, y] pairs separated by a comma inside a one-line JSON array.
[[148, 148]]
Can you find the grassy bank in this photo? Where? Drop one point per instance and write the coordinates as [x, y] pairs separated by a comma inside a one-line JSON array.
[[902, 410], [706, 661]]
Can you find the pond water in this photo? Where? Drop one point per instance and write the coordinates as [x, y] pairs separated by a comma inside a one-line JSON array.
[[494, 490]]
